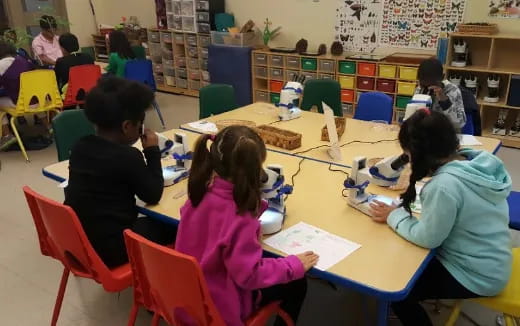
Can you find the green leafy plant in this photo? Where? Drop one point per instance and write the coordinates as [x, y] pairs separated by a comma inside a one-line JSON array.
[[268, 34]]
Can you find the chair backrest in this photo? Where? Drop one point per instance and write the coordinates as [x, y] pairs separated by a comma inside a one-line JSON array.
[[62, 237], [69, 126], [81, 80], [469, 127], [171, 282], [140, 71], [514, 210], [42, 85], [216, 99], [322, 90], [374, 106]]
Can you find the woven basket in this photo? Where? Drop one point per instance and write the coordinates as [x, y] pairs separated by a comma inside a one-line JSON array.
[[478, 29], [341, 122], [279, 137], [221, 124]]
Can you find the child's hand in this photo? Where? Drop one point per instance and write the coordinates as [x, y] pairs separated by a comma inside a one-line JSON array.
[[439, 92], [308, 259], [380, 211], [149, 138]]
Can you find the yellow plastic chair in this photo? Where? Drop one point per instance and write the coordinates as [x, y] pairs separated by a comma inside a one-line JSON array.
[[40, 84], [507, 302]]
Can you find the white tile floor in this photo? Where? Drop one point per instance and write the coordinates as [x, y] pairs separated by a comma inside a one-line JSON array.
[[29, 281]]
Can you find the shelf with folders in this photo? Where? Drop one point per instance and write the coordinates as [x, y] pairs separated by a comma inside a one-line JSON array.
[[270, 71], [180, 61], [489, 67]]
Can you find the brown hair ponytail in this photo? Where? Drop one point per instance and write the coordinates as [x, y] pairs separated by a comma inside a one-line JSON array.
[[430, 139], [201, 171]]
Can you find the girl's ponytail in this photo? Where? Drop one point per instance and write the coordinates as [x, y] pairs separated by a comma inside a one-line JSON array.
[[201, 171]]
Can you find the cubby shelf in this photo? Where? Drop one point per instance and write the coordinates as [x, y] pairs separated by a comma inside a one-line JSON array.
[[493, 54]]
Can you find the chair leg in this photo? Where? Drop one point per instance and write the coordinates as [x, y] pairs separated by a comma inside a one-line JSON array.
[[155, 320], [158, 110], [509, 320], [133, 314], [454, 314], [61, 294], [20, 143]]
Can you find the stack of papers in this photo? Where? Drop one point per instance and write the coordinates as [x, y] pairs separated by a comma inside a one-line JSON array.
[[468, 140], [204, 126], [303, 237]]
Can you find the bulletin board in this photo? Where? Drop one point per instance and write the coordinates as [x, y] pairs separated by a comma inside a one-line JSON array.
[[364, 25]]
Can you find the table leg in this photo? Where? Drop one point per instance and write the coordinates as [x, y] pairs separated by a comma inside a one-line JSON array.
[[382, 313]]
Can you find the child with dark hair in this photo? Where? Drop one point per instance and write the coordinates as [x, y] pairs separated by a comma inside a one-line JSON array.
[[220, 228], [46, 45], [446, 96], [464, 215], [120, 53], [106, 172], [11, 67], [71, 57]]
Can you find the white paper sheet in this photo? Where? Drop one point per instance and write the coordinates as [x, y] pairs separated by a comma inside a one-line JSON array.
[[303, 237], [205, 126], [469, 140]]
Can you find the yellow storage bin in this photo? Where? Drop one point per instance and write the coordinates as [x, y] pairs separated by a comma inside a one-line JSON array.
[[409, 73], [387, 71], [405, 88], [347, 81]]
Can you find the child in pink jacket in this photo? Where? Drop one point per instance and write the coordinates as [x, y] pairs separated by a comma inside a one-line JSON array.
[[220, 228]]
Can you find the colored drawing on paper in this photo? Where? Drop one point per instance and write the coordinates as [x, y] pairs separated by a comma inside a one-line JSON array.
[[357, 24], [419, 24]]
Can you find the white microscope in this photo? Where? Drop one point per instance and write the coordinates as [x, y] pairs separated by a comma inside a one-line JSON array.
[[385, 173], [274, 190], [179, 150], [290, 99], [419, 101]]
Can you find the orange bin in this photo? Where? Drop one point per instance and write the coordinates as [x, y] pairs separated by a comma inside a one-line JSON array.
[[366, 69], [347, 95], [276, 86]]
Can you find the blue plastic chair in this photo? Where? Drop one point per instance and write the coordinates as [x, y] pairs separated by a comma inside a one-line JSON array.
[[142, 71], [374, 106], [469, 127], [514, 210]]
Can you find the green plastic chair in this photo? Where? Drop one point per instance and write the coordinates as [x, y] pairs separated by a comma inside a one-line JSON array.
[[69, 126], [216, 99], [322, 90], [139, 52]]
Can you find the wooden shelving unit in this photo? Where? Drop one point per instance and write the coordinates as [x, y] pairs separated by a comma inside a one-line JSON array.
[[180, 61], [491, 54], [101, 48], [269, 67]]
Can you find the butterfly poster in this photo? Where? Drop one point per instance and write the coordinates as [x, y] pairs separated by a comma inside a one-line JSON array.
[[357, 24], [419, 24], [504, 9]]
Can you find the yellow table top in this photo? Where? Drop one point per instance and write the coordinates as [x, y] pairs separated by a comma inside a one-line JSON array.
[[310, 125], [384, 264]]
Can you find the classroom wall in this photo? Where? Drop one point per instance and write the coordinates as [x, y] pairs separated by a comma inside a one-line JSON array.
[[107, 12]]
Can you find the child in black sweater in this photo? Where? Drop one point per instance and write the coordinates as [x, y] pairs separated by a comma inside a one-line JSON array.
[[106, 172]]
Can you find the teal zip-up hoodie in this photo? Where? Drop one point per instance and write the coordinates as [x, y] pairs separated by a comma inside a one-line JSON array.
[[465, 215]]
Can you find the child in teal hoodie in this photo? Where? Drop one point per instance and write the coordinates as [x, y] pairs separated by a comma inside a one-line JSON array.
[[464, 215]]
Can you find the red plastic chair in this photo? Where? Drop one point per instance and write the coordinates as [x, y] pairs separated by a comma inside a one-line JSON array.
[[166, 281], [81, 78], [62, 237]]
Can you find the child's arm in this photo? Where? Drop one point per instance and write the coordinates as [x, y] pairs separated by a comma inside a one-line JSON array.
[[439, 211], [244, 261], [146, 178], [454, 104]]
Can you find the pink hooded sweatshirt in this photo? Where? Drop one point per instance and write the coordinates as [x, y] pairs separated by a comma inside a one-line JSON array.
[[227, 246]]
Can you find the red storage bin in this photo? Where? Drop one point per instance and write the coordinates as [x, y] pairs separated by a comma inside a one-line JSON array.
[[366, 69], [365, 83], [347, 96], [276, 86], [386, 85]]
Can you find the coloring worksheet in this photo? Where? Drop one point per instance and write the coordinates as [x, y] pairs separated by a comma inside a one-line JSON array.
[[357, 24], [419, 24], [303, 237]]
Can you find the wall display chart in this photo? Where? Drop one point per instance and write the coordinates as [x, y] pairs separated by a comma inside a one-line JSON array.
[[363, 25], [504, 8]]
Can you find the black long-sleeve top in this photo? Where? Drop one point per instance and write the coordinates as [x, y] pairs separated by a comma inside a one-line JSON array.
[[104, 178]]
